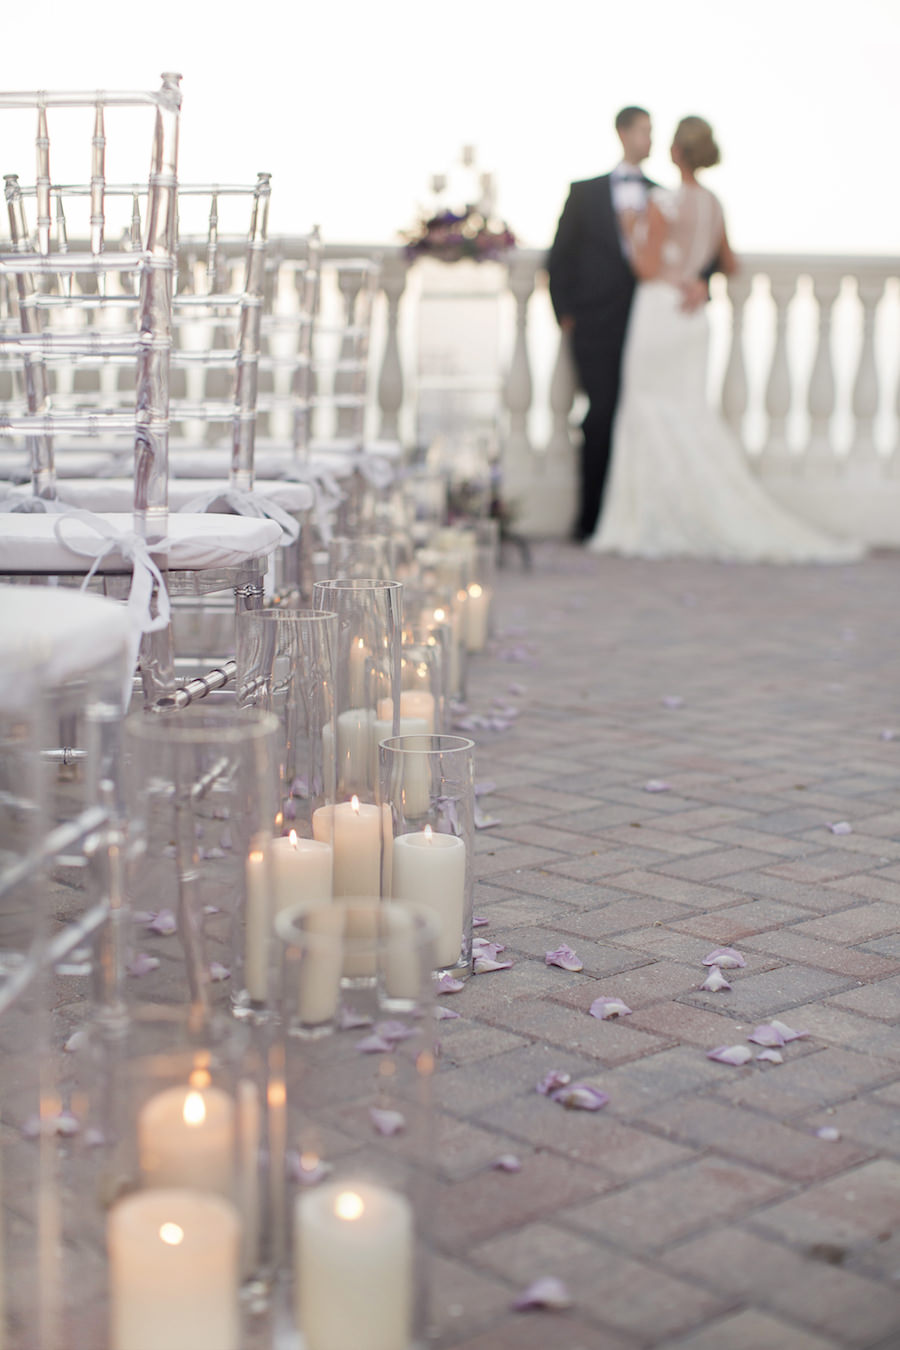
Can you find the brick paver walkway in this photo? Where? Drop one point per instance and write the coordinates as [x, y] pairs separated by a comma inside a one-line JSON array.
[[700, 1209]]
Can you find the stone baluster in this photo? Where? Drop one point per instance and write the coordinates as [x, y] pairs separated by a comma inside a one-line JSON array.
[[517, 392], [563, 387], [349, 422], [778, 387], [734, 387], [865, 386], [390, 380], [820, 451]]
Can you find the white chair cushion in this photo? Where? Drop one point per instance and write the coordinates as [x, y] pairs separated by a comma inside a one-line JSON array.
[[29, 544], [51, 634], [117, 494]]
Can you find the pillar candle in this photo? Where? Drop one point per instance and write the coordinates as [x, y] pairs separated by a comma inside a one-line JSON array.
[[359, 655], [430, 869], [354, 1268], [186, 1139], [248, 1122], [413, 703], [354, 830], [300, 871], [173, 1271], [478, 612], [354, 738]]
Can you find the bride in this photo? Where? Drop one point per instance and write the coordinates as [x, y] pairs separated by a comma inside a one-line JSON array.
[[679, 484]]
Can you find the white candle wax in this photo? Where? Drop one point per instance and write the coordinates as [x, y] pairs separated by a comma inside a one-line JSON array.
[[478, 611], [413, 703], [300, 871], [173, 1272], [359, 654], [409, 726], [354, 830], [248, 1117], [316, 973], [354, 739], [186, 1138], [353, 1277], [430, 869]]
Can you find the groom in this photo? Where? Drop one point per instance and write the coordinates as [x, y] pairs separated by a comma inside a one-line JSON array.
[[591, 287]]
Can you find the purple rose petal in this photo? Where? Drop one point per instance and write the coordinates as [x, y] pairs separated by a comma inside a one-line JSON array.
[[448, 984], [829, 1133], [672, 701], [164, 923], [218, 972], [211, 909], [564, 957], [657, 785], [841, 827], [787, 1032], [766, 1035], [225, 839], [144, 916], [888, 735], [93, 1137], [373, 1045], [580, 1097], [215, 852], [77, 1041], [142, 964], [715, 981], [306, 1171], [479, 922], [393, 1031], [31, 1127], [730, 1054], [773, 1056], [483, 789], [726, 958], [387, 1123], [604, 1007], [483, 965], [349, 1020], [63, 1124], [484, 947], [556, 1078], [547, 1292], [507, 1162], [443, 1014], [516, 689]]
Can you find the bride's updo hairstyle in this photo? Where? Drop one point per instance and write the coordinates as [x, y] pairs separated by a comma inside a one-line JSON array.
[[694, 139]]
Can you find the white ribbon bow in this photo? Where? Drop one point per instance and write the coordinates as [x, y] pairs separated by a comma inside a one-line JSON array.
[[329, 493], [145, 573], [246, 504]]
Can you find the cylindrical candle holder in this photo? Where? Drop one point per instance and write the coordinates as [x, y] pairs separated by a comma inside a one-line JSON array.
[[442, 610], [423, 673], [428, 785], [202, 794], [359, 1057], [286, 666], [366, 671]]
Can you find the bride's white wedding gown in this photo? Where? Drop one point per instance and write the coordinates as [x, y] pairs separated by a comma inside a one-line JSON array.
[[679, 483]]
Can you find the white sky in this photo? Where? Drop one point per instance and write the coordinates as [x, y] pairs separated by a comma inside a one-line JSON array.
[[352, 104]]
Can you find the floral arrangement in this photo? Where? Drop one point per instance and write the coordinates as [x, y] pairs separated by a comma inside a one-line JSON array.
[[452, 235]]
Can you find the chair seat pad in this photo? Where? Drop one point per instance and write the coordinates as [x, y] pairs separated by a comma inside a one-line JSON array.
[[116, 494], [51, 634], [29, 543]]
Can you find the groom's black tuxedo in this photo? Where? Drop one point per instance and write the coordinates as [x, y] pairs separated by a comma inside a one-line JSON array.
[[591, 282]]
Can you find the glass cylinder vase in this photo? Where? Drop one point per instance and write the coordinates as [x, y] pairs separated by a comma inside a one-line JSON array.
[[203, 797], [427, 786], [366, 677], [359, 1053]]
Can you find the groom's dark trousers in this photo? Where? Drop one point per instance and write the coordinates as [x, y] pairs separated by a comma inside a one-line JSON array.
[[592, 283]]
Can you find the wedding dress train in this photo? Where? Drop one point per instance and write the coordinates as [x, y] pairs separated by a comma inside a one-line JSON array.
[[680, 484]]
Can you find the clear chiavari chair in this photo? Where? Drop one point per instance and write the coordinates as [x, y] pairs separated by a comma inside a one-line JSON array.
[[89, 313]]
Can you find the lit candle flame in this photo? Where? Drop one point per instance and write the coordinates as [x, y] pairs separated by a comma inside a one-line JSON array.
[[354, 803], [200, 1078], [475, 590], [293, 838], [279, 819], [348, 1205], [194, 1112], [360, 645], [172, 1234], [440, 615], [428, 833], [256, 856]]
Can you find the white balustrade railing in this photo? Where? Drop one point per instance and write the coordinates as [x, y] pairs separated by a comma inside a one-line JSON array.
[[804, 362]]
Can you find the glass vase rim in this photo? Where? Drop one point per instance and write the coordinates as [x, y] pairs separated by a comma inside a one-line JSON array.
[[278, 612], [459, 743], [286, 927], [357, 584]]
